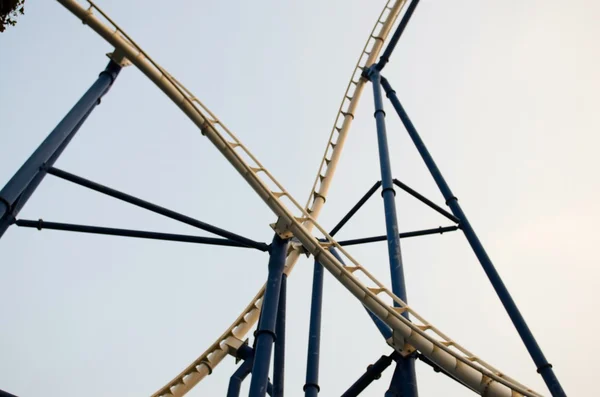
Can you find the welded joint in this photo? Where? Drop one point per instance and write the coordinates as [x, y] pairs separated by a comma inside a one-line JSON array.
[[370, 73], [543, 367], [282, 227], [399, 344], [118, 56], [307, 385], [265, 331], [453, 198], [234, 345], [383, 190], [296, 245]]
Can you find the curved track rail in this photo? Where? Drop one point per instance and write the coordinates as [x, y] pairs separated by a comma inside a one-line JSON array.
[[420, 334]]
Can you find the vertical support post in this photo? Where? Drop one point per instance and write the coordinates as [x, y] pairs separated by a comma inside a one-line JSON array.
[[543, 366], [311, 387], [388, 194], [279, 358], [20, 187], [404, 372], [265, 334], [406, 379]]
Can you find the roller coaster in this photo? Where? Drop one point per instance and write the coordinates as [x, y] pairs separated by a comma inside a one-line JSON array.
[[297, 233]]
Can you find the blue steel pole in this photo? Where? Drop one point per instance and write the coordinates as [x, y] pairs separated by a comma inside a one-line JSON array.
[[279, 356], [53, 143], [372, 373], [311, 387], [235, 382], [388, 193], [544, 368], [406, 378], [404, 372], [265, 334], [10, 216], [386, 331]]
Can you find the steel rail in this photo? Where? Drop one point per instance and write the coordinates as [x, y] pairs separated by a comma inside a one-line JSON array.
[[445, 352]]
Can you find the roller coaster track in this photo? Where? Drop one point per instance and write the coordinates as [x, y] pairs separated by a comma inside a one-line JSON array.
[[300, 221]]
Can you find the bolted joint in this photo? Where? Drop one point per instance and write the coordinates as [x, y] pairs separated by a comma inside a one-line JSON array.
[[371, 73], [112, 71], [307, 385], [265, 331], [543, 367], [387, 87]]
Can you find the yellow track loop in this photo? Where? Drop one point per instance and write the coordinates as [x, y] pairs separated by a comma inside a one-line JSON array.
[[420, 334]]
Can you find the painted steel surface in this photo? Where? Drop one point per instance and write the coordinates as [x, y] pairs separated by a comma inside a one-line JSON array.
[[295, 220]]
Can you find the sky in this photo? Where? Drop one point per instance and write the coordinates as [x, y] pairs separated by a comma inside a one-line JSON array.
[[503, 93]]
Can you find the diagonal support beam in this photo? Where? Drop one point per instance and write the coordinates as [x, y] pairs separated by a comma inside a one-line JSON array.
[[543, 366], [21, 186], [385, 57], [355, 209], [155, 208], [108, 231], [426, 201], [372, 373]]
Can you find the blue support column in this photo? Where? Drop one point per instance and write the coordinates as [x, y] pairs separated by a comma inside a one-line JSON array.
[[311, 387], [20, 187], [404, 372], [406, 379], [265, 334], [279, 358], [543, 366], [235, 382], [388, 194]]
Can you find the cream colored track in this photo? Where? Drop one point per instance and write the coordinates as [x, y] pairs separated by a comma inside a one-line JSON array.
[[419, 334]]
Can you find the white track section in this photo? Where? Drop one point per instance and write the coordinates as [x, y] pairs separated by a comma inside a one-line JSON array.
[[420, 334]]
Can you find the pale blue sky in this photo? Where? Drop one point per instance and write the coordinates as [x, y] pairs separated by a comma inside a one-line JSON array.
[[505, 94]]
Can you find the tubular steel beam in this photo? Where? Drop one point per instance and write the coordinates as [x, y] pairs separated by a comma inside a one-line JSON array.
[[385, 330], [355, 209], [425, 232], [311, 387], [385, 57], [372, 373], [265, 334], [426, 201], [155, 208], [405, 366], [69, 227], [404, 373], [436, 368], [21, 186], [279, 356], [235, 382], [543, 366]]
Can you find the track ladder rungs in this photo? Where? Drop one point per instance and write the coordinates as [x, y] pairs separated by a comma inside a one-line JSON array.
[[424, 327], [400, 310], [376, 290], [352, 269], [279, 194], [256, 170]]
